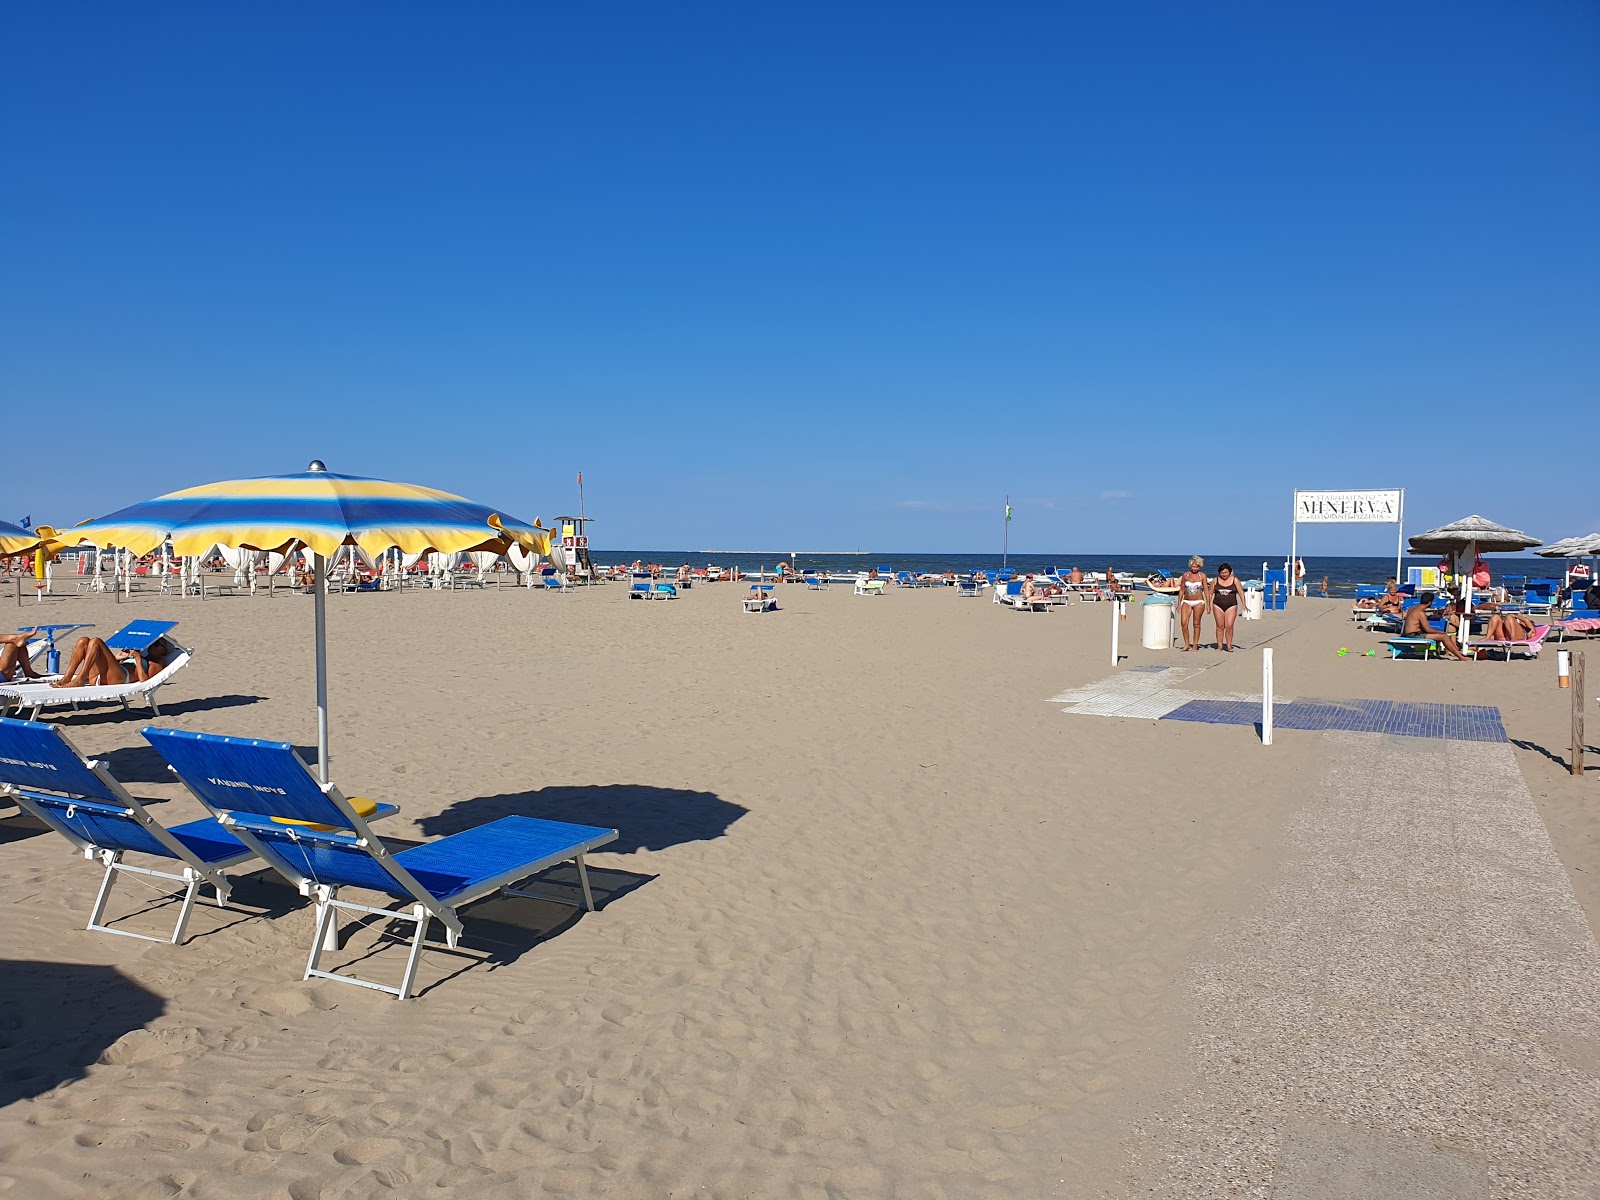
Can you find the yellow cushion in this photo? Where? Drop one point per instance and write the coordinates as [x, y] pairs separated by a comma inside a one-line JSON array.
[[363, 806]]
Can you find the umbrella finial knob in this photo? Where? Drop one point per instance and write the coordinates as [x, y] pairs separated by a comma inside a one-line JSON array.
[[317, 465]]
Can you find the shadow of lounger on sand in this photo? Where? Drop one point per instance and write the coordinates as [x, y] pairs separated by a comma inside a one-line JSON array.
[[645, 818], [57, 1019]]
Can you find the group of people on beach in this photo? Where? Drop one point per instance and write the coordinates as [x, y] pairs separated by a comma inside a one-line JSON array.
[[1499, 626], [1199, 594]]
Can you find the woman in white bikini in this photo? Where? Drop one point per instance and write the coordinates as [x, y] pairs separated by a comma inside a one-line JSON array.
[[1193, 599]]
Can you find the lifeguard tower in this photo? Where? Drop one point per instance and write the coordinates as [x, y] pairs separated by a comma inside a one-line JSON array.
[[575, 546]]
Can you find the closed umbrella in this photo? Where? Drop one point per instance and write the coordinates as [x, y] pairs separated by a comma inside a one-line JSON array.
[[323, 511], [1475, 535]]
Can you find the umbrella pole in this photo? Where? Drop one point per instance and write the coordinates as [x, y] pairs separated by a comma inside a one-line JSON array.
[[320, 603]]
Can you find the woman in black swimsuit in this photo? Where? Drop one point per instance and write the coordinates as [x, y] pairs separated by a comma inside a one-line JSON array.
[[1225, 605]]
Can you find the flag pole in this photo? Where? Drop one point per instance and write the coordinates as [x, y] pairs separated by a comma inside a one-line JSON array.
[[1005, 536]]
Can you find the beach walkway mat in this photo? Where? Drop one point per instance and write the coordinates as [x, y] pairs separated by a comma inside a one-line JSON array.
[[1158, 694], [1455, 722]]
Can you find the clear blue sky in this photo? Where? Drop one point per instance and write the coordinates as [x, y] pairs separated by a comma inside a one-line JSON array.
[[829, 275]]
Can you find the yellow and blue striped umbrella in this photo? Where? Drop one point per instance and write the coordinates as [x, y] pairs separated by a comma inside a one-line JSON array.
[[322, 511], [14, 539], [316, 508]]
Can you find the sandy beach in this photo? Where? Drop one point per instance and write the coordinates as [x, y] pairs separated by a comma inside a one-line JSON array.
[[883, 920]]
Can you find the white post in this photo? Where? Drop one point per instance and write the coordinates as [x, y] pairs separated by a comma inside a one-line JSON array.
[[1294, 548], [1400, 539], [320, 601], [1266, 696], [1116, 620]]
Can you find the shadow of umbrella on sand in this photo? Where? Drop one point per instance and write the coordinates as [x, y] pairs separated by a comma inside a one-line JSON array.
[[57, 1019], [321, 511]]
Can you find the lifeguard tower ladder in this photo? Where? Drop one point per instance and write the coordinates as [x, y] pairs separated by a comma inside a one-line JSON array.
[[575, 545]]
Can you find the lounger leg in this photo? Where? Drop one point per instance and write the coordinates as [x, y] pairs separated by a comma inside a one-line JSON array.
[[329, 936], [188, 905], [109, 857], [324, 920], [583, 881], [420, 914]]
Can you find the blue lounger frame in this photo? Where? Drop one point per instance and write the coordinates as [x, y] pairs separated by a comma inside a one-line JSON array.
[[255, 787], [45, 774]]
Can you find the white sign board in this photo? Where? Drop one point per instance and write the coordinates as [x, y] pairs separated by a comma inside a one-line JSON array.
[[1345, 508]]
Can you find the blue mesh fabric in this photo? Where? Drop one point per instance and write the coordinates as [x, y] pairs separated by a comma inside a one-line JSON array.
[[33, 755], [246, 776], [324, 857], [103, 825]]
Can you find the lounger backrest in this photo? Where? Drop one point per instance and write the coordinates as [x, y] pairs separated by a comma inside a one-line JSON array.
[[140, 635], [61, 790], [109, 826], [243, 775], [36, 756]]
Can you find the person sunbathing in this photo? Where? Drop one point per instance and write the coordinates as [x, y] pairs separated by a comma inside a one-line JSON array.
[[1030, 590], [14, 655], [1508, 627], [94, 664], [1416, 626], [1392, 601]]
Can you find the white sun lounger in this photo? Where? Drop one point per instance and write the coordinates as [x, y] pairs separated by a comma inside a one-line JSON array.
[[34, 698], [1527, 647], [868, 587]]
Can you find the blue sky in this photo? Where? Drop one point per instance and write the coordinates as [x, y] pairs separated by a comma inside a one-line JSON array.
[[838, 276]]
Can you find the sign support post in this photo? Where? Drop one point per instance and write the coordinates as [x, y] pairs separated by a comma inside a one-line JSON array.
[[1385, 506]]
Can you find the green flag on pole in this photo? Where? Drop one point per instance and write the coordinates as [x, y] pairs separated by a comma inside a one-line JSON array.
[[1008, 512]]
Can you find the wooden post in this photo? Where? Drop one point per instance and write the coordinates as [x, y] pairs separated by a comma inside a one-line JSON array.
[[1577, 713]]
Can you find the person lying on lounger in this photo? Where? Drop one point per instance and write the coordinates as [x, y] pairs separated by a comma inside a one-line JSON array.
[[1508, 627], [1417, 626], [1392, 601], [93, 664], [14, 655]]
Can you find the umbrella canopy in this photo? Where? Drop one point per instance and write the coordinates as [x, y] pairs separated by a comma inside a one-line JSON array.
[[14, 539], [316, 507], [322, 511], [1572, 547], [1486, 535]]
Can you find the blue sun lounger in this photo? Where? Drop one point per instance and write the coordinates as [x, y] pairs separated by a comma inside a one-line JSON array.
[[43, 772], [313, 836]]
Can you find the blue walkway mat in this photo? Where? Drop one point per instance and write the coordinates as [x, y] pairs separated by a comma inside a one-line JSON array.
[[1458, 722]]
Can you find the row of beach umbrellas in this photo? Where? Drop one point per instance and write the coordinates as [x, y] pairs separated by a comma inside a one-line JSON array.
[[315, 508]]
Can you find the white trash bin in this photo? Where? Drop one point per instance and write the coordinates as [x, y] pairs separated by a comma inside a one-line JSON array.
[[1157, 623], [1253, 603]]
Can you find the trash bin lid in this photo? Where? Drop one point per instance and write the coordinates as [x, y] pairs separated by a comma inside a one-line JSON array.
[[1157, 598]]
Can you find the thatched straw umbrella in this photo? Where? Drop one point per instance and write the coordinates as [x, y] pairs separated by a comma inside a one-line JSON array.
[[1474, 535]]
